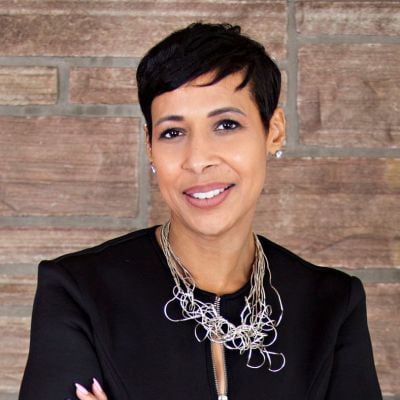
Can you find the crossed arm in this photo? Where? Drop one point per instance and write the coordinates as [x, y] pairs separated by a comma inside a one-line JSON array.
[[97, 392]]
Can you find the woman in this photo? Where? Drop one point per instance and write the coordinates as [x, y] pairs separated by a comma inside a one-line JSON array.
[[201, 308]]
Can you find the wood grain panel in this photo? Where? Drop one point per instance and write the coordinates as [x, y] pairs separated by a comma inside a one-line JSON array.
[[28, 85], [121, 28], [14, 344], [357, 17], [103, 85], [68, 166], [384, 323], [30, 244], [349, 95]]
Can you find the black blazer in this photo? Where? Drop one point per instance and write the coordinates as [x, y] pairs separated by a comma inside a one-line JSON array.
[[99, 313]]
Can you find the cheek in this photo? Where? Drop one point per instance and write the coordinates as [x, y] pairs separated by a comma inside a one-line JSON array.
[[166, 185], [165, 178], [168, 173], [250, 158], [252, 167], [164, 159]]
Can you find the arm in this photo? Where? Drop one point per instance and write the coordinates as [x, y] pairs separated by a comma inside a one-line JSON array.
[[61, 347], [353, 374]]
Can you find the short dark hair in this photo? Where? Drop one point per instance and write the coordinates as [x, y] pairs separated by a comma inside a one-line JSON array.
[[200, 48]]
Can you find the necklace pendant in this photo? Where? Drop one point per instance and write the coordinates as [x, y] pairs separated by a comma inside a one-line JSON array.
[[222, 397]]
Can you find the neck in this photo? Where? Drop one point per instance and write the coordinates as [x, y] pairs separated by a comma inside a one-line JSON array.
[[219, 264]]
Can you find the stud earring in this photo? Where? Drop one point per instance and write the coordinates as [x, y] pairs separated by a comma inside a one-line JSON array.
[[153, 168], [278, 154]]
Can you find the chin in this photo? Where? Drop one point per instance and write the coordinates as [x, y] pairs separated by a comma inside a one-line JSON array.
[[212, 222], [210, 231], [211, 226]]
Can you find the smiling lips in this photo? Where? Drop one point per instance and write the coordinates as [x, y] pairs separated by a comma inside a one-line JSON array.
[[207, 196]]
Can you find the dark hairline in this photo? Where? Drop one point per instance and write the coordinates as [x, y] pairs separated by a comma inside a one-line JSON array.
[[246, 81], [228, 51]]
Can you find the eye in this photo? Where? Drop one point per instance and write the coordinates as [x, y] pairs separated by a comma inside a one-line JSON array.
[[227, 124], [170, 133]]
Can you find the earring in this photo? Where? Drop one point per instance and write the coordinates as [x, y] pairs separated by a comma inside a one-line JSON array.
[[278, 154], [153, 168]]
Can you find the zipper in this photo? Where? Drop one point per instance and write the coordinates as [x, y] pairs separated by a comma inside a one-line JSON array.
[[224, 395]]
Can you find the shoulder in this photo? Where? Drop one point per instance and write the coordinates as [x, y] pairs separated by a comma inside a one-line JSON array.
[[303, 279], [131, 239], [114, 270], [108, 256]]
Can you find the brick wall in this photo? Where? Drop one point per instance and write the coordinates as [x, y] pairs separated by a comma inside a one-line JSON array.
[[73, 171]]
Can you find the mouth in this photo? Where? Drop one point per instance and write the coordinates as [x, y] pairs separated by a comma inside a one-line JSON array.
[[208, 195]]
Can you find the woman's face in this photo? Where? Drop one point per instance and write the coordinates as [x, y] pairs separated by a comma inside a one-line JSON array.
[[209, 147]]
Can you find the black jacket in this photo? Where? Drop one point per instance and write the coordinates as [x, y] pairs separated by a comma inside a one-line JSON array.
[[99, 313]]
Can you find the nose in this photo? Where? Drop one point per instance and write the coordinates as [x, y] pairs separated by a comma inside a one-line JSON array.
[[200, 154]]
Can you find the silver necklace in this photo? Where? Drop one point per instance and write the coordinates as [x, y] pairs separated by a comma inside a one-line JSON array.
[[257, 331]]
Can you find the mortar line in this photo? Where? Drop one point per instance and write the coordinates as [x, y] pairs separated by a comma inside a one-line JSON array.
[[144, 179], [370, 275], [63, 84], [343, 39], [349, 152], [375, 275], [291, 71], [18, 269], [67, 222], [34, 61], [15, 311], [63, 109]]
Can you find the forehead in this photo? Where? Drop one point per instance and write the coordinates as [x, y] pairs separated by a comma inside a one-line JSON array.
[[194, 97]]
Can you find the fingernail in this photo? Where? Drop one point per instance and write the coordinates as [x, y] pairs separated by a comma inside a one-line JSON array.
[[97, 385], [81, 389]]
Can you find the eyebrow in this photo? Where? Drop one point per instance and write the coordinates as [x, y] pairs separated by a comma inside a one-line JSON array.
[[213, 113]]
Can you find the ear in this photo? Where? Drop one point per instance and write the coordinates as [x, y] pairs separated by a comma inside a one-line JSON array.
[[148, 143], [277, 131]]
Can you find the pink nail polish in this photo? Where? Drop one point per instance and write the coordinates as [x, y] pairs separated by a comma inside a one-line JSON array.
[[81, 389], [97, 385]]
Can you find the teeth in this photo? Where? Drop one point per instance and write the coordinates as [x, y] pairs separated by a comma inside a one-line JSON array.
[[207, 195]]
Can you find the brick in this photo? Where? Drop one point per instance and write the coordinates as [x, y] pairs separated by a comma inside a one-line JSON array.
[[17, 290], [384, 322], [116, 86], [103, 85], [28, 85], [14, 344], [362, 17], [30, 244], [121, 28], [331, 211], [334, 212], [68, 166], [349, 95]]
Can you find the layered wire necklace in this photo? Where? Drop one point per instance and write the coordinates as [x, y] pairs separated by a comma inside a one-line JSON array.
[[257, 330]]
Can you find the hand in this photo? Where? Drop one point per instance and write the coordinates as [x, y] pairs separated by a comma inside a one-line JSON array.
[[84, 394]]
